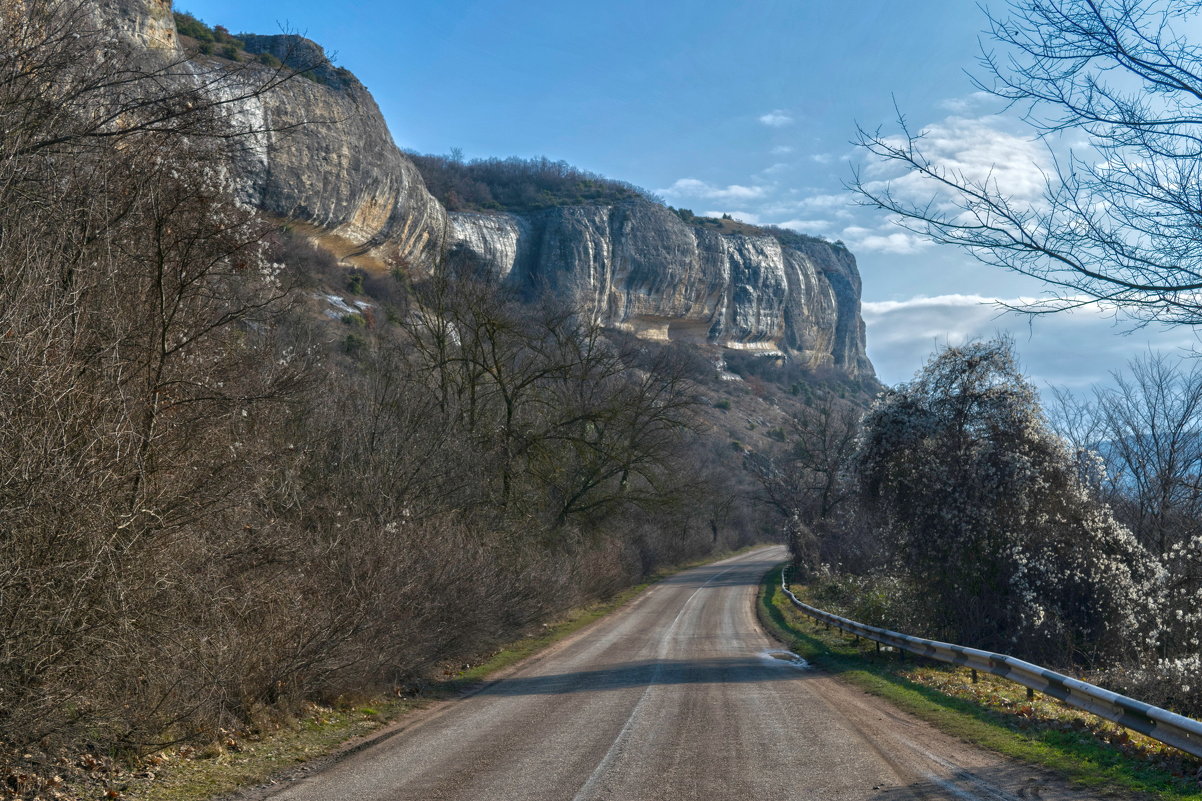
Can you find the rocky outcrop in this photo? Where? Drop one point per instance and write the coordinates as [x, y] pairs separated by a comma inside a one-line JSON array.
[[148, 23], [327, 159], [331, 162], [637, 266], [325, 156]]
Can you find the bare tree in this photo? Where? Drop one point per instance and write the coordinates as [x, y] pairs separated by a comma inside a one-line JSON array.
[[809, 479], [206, 506], [1144, 434], [1117, 223], [1152, 419], [138, 368], [572, 422], [70, 81], [808, 483]]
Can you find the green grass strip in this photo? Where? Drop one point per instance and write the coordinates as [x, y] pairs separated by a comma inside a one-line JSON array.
[[1079, 756]]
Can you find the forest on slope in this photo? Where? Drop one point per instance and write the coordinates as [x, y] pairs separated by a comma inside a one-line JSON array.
[[517, 184]]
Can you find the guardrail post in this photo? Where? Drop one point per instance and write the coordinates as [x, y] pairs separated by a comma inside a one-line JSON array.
[[1161, 724]]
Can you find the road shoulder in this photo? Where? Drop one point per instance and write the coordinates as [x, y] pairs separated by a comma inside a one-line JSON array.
[[1066, 756], [250, 767]]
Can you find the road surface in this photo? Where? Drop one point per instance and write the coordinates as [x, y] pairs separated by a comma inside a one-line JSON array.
[[679, 695]]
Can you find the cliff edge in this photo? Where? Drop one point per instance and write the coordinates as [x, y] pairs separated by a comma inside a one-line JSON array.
[[328, 161]]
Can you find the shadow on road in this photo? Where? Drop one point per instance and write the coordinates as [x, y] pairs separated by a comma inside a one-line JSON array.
[[741, 575], [749, 669], [1009, 783]]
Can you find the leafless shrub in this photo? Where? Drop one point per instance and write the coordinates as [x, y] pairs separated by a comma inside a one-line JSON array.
[[207, 508]]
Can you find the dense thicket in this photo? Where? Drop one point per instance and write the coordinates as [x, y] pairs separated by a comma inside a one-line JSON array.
[[955, 509], [516, 184], [983, 508], [209, 505]]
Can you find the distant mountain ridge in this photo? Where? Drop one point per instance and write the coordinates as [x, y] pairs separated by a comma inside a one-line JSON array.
[[331, 163]]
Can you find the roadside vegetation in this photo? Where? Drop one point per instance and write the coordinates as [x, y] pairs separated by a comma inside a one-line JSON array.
[[244, 488], [293, 745], [953, 510], [223, 510], [992, 712], [965, 512]]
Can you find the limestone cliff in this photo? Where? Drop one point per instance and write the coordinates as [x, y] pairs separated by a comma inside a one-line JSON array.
[[148, 23], [637, 266], [329, 161], [325, 158]]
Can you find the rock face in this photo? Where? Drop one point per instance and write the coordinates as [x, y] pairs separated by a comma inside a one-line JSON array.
[[329, 161], [326, 157], [637, 266], [148, 23]]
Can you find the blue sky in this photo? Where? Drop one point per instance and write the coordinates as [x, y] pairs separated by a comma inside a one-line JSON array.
[[746, 108]]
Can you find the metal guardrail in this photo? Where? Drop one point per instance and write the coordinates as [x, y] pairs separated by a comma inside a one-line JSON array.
[[1161, 724]]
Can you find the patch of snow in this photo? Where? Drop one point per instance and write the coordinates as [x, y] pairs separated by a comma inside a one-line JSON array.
[[783, 658], [342, 306], [338, 303]]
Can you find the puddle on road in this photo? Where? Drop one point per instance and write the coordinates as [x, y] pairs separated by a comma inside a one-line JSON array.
[[786, 658]]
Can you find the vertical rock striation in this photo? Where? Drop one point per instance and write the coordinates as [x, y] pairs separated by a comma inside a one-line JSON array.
[[328, 160], [637, 266], [331, 162]]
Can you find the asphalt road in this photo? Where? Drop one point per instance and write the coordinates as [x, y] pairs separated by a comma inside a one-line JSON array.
[[679, 695]]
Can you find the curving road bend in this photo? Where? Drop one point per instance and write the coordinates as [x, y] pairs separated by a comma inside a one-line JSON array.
[[679, 695]]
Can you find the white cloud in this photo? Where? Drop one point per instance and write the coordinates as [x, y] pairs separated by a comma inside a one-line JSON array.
[[822, 158], [925, 302], [960, 105], [776, 169], [972, 151], [781, 150], [777, 118], [1074, 349], [694, 188], [899, 242], [808, 226], [976, 150], [841, 200], [885, 240]]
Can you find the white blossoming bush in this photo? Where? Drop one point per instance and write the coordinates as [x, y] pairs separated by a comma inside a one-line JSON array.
[[1174, 683], [1173, 677], [983, 507]]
